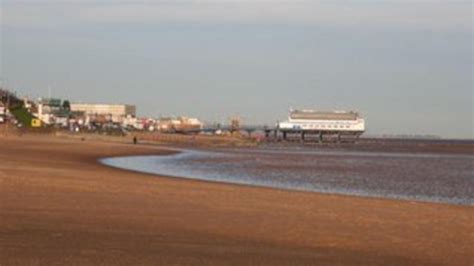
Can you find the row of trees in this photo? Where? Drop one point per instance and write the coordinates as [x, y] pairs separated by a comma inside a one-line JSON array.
[[10, 99]]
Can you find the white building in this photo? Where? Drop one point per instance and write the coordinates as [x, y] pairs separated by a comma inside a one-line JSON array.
[[3, 113], [180, 125], [117, 112], [50, 111], [343, 122]]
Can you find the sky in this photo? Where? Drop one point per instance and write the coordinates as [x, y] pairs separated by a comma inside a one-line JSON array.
[[406, 66]]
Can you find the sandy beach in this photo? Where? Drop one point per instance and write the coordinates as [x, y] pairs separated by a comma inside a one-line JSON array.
[[59, 206]]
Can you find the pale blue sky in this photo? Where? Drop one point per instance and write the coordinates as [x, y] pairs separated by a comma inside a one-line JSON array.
[[406, 65]]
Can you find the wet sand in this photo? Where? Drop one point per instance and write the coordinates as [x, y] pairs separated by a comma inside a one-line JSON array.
[[58, 206]]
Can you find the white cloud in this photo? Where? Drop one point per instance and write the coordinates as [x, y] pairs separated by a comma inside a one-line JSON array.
[[403, 13]]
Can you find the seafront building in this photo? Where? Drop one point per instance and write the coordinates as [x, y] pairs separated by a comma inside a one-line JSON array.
[[116, 112], [50, 111], [3, 113], [320, 123], [180, 125]]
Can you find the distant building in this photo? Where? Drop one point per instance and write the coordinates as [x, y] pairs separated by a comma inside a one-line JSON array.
[[3, 113], [188, 125], [180, 125], [50, 111], [115, 112], [323, 123]]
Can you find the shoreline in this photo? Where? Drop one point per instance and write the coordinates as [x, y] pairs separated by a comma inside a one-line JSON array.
[[355, 193], [69, 193]]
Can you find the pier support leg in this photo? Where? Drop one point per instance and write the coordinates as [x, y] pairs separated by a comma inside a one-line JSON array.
[[284, 135], [302, 136], [320, 137]]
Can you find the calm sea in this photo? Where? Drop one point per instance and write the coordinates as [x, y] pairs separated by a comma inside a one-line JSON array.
[[425, 177]]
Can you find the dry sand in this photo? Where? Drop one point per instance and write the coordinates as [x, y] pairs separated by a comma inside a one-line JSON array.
[[58, 206]]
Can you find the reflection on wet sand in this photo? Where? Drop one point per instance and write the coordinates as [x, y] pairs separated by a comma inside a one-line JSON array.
[[439, 177]]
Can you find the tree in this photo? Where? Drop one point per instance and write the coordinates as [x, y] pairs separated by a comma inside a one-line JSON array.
[[235, 123], [67, 105]]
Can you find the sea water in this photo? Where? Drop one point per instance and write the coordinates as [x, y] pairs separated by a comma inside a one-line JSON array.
[[424, 177]]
